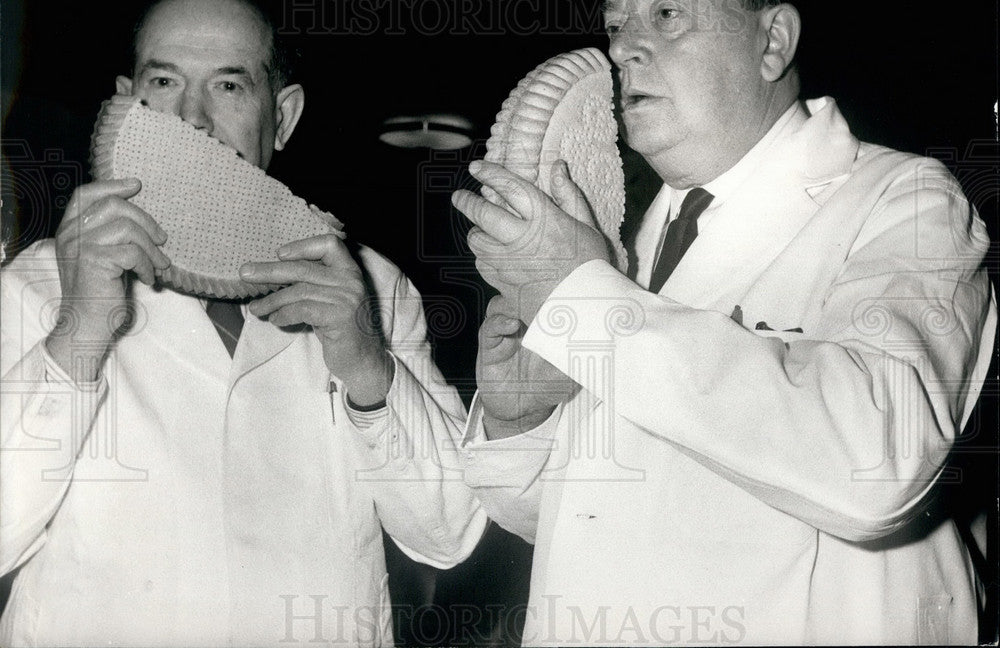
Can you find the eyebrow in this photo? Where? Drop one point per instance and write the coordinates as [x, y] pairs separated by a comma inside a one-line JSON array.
[[156, 64]]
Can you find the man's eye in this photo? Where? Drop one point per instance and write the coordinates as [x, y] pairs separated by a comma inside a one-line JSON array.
[[161, 82], [230, 86], [613, 23], [662, 15]]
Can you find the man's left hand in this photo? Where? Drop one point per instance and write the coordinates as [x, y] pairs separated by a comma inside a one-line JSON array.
[[525, 253], [324, 289]]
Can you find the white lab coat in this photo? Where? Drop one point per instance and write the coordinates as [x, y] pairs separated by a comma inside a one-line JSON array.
[[217, 501], [717, 482]]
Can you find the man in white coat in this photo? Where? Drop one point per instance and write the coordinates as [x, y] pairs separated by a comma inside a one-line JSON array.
[[159, 488], [743, 444]]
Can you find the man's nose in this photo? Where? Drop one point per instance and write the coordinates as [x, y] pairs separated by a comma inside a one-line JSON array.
[[629, 44], [193, 109]]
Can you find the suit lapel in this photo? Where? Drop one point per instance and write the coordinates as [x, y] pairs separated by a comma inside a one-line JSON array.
[[260, 342], [765, 213], [179, 328]]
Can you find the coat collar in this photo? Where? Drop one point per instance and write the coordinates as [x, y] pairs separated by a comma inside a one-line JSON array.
[[179, 327], [767, 210]]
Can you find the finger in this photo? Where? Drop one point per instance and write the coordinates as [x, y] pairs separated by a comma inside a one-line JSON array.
[[503, 350], [495, 221], [113, 208], [127, 256], [126, 232], [290, 272], [525, 198], [300, 312], [325, 248], [297, 292], [500, 305], [498, 326], [88, 194], [568, 195], [483, 245]]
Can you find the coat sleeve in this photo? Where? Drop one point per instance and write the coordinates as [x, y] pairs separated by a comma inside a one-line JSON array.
[[847, 430], [44, 417], [414, 470], [506, 473]]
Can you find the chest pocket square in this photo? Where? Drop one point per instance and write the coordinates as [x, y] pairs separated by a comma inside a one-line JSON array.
[[764, 330]]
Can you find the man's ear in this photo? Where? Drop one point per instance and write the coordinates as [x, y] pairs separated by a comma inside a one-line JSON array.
[[123, 85], [289, 105], [782, 27]]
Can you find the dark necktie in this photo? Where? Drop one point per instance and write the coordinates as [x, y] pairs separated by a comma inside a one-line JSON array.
[[680, 235], [228, 320]]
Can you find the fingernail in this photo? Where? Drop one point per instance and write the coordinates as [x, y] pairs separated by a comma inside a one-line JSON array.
[[132, 183], [246, 272], [475, 167]]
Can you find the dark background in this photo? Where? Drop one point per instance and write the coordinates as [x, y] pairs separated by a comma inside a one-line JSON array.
[[914, 75]]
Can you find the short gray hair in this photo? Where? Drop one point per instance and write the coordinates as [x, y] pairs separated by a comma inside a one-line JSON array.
[[757, 5]]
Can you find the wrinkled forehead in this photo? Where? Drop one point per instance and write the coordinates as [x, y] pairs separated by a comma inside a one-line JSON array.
[[691, 6], [209, 31]]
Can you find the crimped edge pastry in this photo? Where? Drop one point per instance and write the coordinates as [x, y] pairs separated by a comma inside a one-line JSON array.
[[564, 109], [218, 210]]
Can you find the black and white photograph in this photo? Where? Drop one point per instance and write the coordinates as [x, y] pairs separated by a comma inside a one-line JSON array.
[[465, 323]]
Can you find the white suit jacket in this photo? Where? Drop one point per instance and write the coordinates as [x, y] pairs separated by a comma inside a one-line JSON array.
[[754, 453], [194, 499]]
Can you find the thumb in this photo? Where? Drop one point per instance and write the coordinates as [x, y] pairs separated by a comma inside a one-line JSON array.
[[568, 195]]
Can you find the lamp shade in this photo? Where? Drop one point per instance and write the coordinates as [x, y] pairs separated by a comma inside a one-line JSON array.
[[439, 131]]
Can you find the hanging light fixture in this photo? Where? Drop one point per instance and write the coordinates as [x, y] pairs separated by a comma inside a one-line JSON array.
[[438, 131]]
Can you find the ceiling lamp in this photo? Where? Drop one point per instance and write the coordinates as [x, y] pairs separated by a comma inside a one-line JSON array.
[[438, 131]]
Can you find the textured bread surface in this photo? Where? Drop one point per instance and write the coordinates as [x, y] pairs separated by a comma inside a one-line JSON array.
[[218, 210], [564, 110]]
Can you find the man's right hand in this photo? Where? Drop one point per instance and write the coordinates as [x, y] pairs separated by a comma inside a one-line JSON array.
[[101, 239], [517, 389]]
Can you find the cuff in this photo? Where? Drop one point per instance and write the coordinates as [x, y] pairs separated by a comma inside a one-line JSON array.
[[512, 462], [365, 418], [56, 375]]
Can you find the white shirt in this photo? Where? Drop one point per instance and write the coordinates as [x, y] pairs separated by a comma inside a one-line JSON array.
[[667, 203]]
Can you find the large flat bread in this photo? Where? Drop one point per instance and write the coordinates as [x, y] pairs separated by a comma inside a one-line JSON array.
[[564, 110], [218, 210]]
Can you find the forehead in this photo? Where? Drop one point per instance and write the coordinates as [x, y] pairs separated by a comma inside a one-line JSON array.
[[694, 6], [209, 32]]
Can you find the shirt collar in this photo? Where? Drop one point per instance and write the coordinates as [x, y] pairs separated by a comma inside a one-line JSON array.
[[724, 185]]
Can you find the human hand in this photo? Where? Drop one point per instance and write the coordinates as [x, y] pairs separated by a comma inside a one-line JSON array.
[[517, 389], [103, 238], [527, 252], [325, 289]]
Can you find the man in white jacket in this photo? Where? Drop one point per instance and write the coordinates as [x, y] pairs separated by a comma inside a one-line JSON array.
[[742, 443], [160, 487]]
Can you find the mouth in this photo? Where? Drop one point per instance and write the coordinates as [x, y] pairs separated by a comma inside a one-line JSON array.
[[635, 99]]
